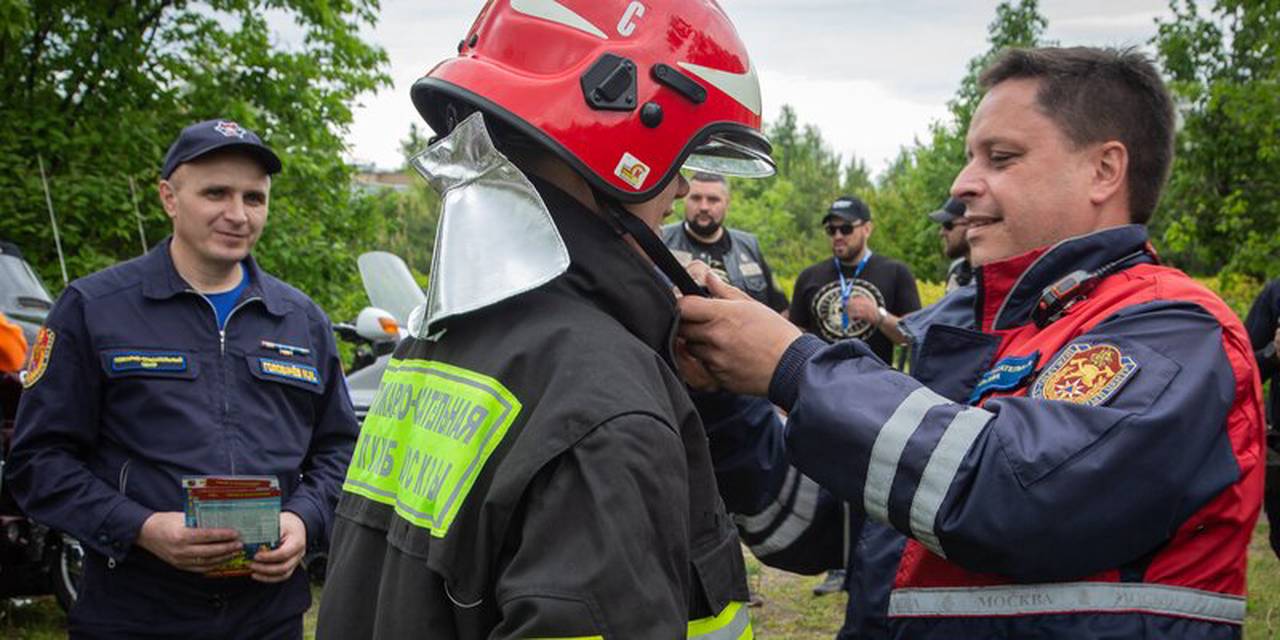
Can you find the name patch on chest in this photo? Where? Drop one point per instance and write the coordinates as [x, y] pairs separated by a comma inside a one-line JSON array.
[[1009, 373], [156, 361], [289, 371], [427, 437], [1085, 373]]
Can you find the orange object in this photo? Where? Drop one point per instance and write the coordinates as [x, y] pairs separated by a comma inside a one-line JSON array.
[[13, 346]]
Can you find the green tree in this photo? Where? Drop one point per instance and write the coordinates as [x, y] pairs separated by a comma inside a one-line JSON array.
[[786, 211], [920, 177], [98, 89], [1222, 204]]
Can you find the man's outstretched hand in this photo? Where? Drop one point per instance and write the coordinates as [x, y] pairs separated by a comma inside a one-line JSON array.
[[737, 340]]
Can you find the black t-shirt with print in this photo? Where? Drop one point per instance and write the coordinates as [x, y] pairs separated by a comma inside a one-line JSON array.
[[816, 303]]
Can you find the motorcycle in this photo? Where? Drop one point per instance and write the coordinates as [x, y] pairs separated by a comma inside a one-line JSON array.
[[34, 559], [377, 329]]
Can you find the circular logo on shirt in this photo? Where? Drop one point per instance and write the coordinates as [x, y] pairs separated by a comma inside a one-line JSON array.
[[827, 309]]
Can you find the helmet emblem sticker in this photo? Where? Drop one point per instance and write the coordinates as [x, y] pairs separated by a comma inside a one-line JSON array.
[[631, 170], [627, 25]]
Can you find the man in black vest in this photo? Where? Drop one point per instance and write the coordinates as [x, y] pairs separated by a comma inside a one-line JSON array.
[[732, 254]]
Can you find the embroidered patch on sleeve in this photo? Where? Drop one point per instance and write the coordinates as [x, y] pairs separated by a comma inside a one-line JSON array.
[[38, 359], [1007, 374], [148, 361], [289, 371], [427, 437], [1085, 373]]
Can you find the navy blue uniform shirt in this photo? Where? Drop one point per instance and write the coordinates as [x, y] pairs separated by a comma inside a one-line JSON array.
[[136, 387]]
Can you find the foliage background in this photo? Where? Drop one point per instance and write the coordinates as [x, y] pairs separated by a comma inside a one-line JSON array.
[[97, 90]]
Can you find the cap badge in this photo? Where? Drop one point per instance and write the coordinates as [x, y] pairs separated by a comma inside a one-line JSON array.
[[229, 129]]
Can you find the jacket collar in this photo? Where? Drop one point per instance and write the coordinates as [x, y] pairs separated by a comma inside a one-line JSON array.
[[608, 273], [1008, 290], [161, 280]]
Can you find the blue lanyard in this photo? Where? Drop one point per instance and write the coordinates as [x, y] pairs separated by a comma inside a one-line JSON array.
[[846, 287]]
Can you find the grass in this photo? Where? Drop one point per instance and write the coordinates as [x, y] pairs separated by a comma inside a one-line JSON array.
[[790, 610]]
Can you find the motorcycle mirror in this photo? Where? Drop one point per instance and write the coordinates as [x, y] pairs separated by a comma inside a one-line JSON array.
[[376, 325]]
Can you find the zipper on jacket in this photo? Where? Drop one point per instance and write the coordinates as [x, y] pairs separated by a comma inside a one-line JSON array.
[[222, 360], [124, 477]]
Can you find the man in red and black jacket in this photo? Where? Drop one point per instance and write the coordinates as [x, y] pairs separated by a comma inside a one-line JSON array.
[[1086, 462]]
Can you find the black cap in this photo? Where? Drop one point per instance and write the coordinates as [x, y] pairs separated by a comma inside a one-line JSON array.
[[211, 135], [848, 208], [952, 209]]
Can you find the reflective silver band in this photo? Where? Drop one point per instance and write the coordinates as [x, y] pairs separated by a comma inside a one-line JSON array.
[[1075, 597], [757, 523], [799, 516], [940, 473], [886, 452]]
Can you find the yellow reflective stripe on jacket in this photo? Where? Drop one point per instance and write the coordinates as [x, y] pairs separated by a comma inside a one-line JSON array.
[[734, 623]]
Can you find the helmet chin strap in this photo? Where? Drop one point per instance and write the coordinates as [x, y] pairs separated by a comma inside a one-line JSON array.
[[625, 223]]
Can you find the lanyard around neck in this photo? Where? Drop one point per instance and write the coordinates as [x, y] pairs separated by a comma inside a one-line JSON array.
[[846, 287]]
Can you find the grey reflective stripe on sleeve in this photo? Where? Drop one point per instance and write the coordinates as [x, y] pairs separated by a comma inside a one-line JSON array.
[[799, 515], [940, 473], [886, 452], [757, 523], [1077, 597]]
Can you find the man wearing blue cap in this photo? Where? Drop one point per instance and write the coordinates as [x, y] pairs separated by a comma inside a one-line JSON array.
[[187, 361]]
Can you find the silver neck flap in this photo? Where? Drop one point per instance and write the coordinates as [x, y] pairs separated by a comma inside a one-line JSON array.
[[495, 238]]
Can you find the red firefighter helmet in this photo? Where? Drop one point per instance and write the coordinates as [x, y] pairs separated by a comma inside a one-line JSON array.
[[625, 91]]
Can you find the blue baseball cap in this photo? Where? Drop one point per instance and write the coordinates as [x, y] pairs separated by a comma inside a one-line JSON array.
[[204, 137]]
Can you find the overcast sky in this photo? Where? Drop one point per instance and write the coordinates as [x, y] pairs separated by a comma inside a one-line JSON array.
[[870, 74]]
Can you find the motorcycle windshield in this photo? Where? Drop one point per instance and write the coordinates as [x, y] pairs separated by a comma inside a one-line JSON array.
[[390, 284], [22, 296]]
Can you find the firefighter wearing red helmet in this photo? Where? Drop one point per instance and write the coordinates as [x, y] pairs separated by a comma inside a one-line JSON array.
[[532, 466]]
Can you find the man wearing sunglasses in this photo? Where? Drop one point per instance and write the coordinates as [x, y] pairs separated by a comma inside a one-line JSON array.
[[857, 293], [952, 227]]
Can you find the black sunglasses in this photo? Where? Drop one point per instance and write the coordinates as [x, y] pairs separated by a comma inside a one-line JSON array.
[[950, 224], [844, 229]]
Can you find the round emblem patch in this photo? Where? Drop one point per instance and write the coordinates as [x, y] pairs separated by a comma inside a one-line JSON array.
[[38, 358], [827, 310], [1085, 374]]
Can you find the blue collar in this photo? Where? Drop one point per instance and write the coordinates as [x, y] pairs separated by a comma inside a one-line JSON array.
[[161, 279]]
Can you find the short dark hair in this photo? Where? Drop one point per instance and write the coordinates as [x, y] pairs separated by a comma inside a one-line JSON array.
[[1100, 94], [707, 176]]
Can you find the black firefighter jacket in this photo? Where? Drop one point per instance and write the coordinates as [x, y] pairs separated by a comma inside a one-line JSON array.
[[539, 471]]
